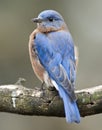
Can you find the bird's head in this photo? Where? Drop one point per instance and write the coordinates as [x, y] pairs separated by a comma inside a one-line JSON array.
[[49, 20]]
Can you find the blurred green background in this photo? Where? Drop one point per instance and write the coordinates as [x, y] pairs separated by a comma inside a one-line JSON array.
[[84, 19]]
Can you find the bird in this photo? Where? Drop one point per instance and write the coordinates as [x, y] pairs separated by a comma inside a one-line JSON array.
[[52, 55]]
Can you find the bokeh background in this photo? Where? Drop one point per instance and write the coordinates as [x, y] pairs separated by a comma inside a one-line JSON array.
[[84, 19]]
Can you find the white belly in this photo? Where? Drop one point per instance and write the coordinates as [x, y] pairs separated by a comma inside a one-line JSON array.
[[48, 81]]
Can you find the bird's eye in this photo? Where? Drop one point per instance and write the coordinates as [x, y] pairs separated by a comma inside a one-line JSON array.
[[51, 19]]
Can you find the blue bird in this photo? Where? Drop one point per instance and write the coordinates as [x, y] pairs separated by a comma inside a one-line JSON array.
[[52, 57]]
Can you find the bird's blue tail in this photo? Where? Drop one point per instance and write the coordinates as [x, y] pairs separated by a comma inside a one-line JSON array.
[[71, 109]]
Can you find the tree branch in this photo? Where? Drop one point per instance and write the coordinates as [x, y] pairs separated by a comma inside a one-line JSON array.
[[46, 102]]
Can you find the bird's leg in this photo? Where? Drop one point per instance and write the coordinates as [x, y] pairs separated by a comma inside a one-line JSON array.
[[42, 85]]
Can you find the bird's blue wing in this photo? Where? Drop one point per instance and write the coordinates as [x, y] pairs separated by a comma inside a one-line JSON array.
[[58, 62]]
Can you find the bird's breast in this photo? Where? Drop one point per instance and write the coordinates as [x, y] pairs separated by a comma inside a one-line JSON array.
[[36, 65]]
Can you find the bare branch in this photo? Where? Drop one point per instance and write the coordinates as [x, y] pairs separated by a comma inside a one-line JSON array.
[[21, 100]]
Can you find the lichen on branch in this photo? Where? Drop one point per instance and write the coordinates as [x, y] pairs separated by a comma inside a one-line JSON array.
[[16, 98]]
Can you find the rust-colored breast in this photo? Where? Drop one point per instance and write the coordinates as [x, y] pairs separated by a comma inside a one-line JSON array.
[[37, 67]]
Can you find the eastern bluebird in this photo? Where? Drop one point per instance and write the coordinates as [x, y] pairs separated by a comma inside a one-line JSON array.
[[52, 57]]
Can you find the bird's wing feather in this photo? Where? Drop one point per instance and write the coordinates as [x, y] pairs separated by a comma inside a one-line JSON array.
[[59, 63]]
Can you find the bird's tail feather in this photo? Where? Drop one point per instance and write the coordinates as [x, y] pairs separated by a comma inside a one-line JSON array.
[[71, 109]]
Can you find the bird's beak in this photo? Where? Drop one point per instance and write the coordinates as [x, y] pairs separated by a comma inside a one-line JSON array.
[[37, 20]]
